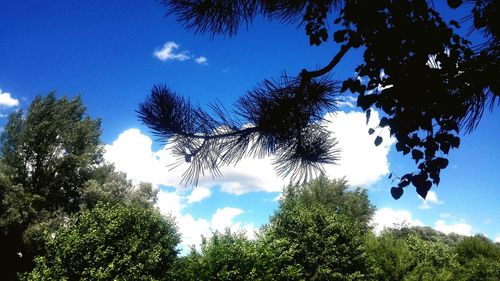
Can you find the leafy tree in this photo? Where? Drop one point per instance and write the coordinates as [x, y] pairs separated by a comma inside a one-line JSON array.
[[224, 256], [312, 243], [317, 234], [479, 259], [336, 195], [51, 166], [52, 150], [110, 242], [429, 81], [399, 255]]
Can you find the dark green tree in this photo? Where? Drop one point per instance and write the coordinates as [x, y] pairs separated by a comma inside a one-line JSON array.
[[110, 242], [426, 76]]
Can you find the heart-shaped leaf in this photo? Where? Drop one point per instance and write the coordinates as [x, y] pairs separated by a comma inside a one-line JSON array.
[[396, 192]]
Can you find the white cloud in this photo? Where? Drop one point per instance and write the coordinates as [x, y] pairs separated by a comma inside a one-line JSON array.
[[497, 239], [444, 215], [458, 228], [224, 218], [7, 100], [167, 52], [169, 203], [198, 194], [430, 200], [191, 229], [201, 60], [362, 163], [390, 218], [348, 101]]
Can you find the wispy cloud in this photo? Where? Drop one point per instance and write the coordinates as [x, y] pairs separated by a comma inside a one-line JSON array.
[[6, 100], [171, 51], [168, 52], [201, 60]]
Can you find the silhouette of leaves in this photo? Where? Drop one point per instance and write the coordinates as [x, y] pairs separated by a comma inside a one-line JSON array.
[[429, 83]]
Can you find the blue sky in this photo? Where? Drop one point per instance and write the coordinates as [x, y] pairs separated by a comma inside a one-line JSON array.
[[105, 51]]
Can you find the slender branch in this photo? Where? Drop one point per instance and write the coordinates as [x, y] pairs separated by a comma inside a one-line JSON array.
[[218, 136], [335, 60]]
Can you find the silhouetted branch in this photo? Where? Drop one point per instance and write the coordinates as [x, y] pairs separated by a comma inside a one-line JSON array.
[[335, 60], [281, 117]]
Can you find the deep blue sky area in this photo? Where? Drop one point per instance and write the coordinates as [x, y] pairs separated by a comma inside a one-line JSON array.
[[104, 51]]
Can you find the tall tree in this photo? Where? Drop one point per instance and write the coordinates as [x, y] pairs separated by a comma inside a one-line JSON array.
[[52, 150], [429, 81], [51, 166]]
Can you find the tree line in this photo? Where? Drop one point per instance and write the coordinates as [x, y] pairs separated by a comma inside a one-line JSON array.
[[67, 215]]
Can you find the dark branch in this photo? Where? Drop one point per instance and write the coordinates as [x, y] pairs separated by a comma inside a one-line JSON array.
[[320, 72]]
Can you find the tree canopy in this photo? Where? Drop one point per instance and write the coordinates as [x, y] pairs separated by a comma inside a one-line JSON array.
[[110, 242], [51, 167], [429, 79]]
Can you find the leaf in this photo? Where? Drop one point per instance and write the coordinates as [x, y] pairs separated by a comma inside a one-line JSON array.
[[396, 192], [368, 113], [417, 155], [390, 176], [383, 122], [378, 141], [454, 3], [442, 162], [371, 131], [454, 23], [339, 36]]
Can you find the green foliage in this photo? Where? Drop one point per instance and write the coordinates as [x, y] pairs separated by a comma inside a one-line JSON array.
[[408, 255], [336, 195], [319, 244], [479, 258], [224, 256], [317, 233], [52, 150], [51, 167], [110, 242]]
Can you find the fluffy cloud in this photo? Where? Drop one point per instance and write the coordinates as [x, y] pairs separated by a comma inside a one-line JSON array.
[[497, 239], [191, 228], [201, 60], [389, 218], [7, 100], [167, 52], [430, 200], [362, 163], [198, 194], [458, 228]]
